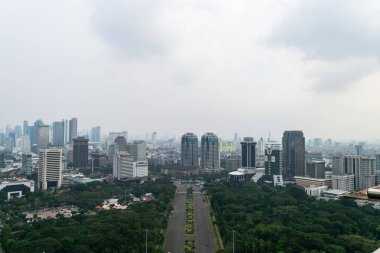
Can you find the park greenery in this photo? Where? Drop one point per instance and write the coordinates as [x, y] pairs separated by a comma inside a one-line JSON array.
[[90, 230], [189, 224], [264, 218]]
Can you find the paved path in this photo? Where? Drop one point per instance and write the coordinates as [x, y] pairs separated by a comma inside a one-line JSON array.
[[203, 233], [175, 238]]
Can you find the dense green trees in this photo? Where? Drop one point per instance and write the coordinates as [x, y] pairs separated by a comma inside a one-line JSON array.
[[106, 231], [276, 219]]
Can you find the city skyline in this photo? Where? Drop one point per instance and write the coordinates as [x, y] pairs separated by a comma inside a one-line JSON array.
[[248, 66]]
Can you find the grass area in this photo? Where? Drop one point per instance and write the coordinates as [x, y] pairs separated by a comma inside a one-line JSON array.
[[189, 247], [189, 225]]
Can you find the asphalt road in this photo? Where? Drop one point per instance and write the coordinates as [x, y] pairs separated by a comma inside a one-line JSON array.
[[175, 238], [203, 233]]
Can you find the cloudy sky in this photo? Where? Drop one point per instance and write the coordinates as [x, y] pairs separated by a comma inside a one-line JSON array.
[[176, 66]]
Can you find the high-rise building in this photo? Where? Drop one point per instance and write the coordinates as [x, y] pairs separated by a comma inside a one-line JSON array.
[[359, 149], [362, 168], [2, 159], [260, 149], [378, 162], [122, 165], [343, 182], [121, 143], [34, 132], [43, 137], [113, 135], [25, 128], [315, 169], [50, 168], [293, 154], [210, 157], [248, 153], [27, 164], [18, 131], [25, 144], [2, 139], [95, 134], [99, 160], [273, 159], [73, 129], [189, 152], [80, 152], [154, 139], [59, 133], [138, 150]]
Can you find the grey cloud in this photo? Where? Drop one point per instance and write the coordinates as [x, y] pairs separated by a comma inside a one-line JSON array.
[[129, 27], [329, 30]]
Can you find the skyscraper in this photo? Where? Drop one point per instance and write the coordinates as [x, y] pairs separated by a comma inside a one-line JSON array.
[[80, 152], [138, 150], [260, 147], [95, 134], [189, 152], [273, 159], [25, 128], [210, 158], [248, 153], [293, 154], [34, 134], [50, 168], [59, 133], [73, 129], [27, 164], [43, 137]]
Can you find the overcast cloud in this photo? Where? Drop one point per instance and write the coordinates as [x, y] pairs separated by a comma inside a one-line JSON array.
[[175, 66]]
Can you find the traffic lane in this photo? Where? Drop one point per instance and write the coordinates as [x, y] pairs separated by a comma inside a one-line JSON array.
[[203, 233]]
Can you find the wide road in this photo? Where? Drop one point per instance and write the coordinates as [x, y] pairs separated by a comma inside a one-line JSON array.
[[175, 238], [203, 233]]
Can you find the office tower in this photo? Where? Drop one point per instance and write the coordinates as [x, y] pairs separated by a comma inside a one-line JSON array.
[[2, 159], [378, 162], [73, 129], [293, 154], [99, 160], [121, 143], [315, 169], [25, 128], [248, 153], [27, 164], [122, 165], [367, 173], [59, 133], [95, 134], [50, 168], [138, 150], [34, 134], [189, 151], [80, 152], [317, 142], [210, 158], [233, 162], [8, 129], [358, 149], [25, 144], [113, 135], [43, 137], [236, 139], [260, 149], [273, 159], [18, 131]]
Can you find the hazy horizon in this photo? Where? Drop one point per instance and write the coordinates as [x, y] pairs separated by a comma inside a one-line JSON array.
[[173, 67]]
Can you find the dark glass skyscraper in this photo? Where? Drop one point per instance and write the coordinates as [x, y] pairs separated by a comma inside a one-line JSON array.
[[189, 151], [293, 153], [273, 159], [80, 152], [248, 153], [210, 158]]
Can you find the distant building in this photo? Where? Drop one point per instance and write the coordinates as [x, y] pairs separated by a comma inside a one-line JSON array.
[[95, 134], [50, 168], [25, 144], [210, 157], [293, 154], [59, 133], [138, 150], [16, 188], [27, 164], [260, 149], [112, 135], [124, 166], [313, 156], [80, 152], [233, 162], [359, 149], [309, 181], [227, 147], [25, 128], [378, 162], [248, 153], [43, 137], [315, 169], [273, 159], [2, 159], [73, 129], [189, 152], [99, 160], [315, 191], [121, 143]]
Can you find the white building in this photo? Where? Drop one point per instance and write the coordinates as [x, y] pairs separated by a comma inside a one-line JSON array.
[[124, 166], [50, 168], [16, 187], [343, 182], [315, 191]]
